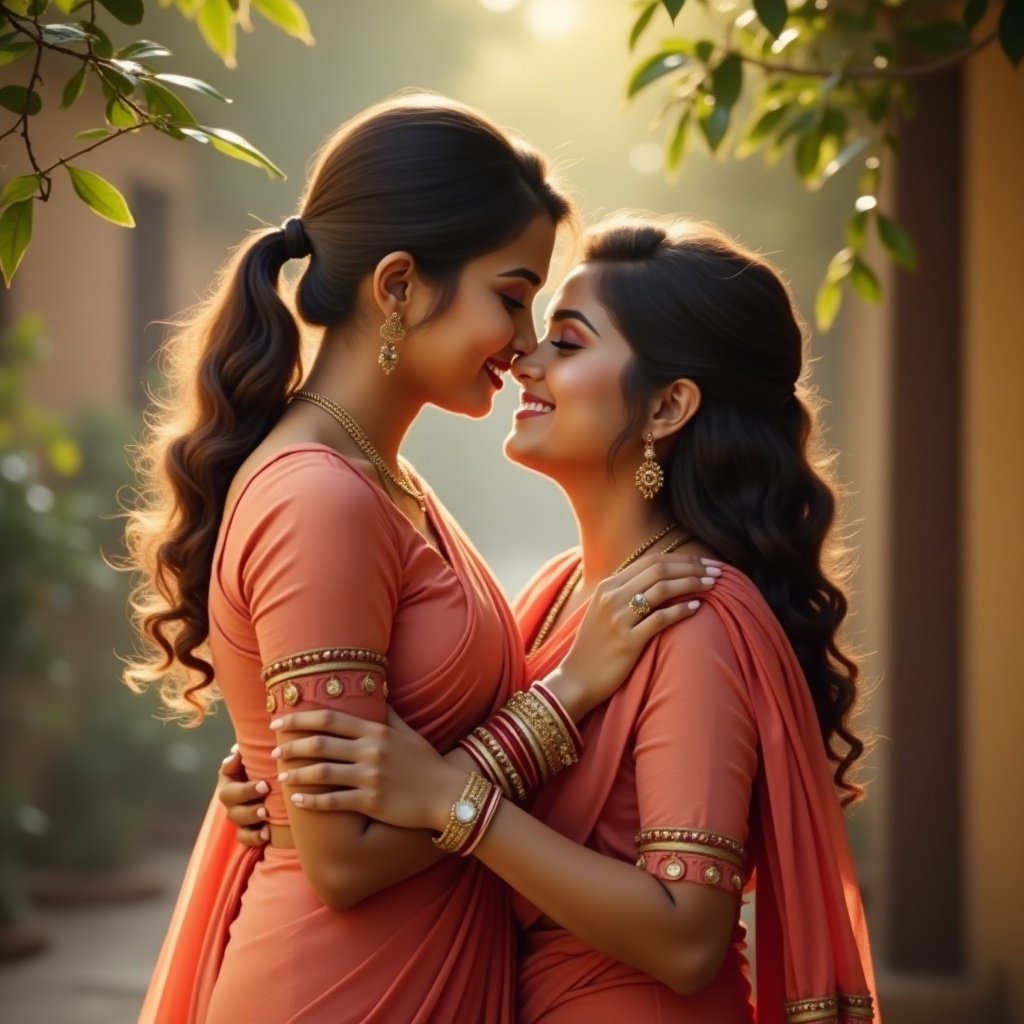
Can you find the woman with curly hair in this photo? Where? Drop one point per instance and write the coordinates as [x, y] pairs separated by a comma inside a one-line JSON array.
[[286, 550], [723, 762]]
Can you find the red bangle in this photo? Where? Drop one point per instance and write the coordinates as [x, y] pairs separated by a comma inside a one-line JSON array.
[[563, 716], [482, 822]]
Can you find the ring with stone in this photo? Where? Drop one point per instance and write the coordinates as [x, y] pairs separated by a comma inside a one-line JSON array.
[[638, 606]]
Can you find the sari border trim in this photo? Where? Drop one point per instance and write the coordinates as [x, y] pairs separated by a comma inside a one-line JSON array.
[[315, 659], [829, 1010], [322, 667], [717, 841], [695, 848]]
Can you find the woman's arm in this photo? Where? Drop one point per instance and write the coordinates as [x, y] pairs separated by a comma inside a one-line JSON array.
[[695, 755]]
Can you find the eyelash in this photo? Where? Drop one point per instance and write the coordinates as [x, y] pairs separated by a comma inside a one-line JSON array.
[[512, 304], [565, 346]]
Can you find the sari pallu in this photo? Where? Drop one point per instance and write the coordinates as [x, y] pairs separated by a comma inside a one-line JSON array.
[[813, 961]]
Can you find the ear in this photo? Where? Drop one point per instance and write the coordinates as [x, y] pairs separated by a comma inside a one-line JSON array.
[[392, 279], [674, 407]]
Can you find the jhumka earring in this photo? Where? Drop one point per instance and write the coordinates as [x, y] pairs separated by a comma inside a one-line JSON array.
[[391, 331], [649, 476]]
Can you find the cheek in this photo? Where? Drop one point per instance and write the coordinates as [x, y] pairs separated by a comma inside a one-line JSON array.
[[591, 399]]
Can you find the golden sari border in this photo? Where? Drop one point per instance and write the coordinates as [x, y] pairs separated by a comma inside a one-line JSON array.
[[694, 848], [717, 841], [316, 658], [322, 667], [829, 1010]]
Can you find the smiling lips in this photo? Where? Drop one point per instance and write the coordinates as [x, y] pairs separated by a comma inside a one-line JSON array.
[[531, 405], [495, 369]]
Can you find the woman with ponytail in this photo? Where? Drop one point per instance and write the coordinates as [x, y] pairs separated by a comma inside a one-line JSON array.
[[287, 552], [671, 395]]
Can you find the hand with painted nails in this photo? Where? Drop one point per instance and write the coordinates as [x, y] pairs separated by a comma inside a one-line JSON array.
[[243, 800]]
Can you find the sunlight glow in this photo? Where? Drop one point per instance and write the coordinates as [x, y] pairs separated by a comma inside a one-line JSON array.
[[499, 5], [865, 203], [553, 19], [646, 158]]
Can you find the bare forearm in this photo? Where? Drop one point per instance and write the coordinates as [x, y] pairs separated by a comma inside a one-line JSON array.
[[610, 905]]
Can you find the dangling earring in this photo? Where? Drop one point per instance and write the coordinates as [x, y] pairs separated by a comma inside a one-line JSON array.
[[649, 476], [391, 331]]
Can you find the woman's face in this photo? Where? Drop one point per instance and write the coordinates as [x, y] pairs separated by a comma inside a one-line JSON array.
[[572, 407], [458, 360]]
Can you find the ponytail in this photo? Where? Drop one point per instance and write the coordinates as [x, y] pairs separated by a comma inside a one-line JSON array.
[[231, 368]]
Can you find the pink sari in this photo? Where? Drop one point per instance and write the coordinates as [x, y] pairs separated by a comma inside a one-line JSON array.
[[732, 670]]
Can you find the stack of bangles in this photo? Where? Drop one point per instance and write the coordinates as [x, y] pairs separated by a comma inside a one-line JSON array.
[[531, 739]]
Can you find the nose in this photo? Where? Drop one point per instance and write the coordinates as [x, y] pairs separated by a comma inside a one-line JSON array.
[[527, 367], [525, 341]]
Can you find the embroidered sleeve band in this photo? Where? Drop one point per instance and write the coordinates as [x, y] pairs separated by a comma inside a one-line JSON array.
[[840, 1009]]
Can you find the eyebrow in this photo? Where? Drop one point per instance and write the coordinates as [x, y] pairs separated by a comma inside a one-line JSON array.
[[573, 314], [522, 272]]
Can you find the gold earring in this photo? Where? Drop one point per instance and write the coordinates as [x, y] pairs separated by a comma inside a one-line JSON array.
[[391, 331], [649, 476]]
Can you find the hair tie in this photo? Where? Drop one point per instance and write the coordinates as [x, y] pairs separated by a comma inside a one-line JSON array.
[[296, 241]]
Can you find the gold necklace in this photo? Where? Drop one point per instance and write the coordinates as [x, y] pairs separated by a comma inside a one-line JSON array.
[[570, 584], [362, 442]]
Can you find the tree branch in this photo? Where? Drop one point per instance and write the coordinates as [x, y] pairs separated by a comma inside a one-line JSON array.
[[913, 71]]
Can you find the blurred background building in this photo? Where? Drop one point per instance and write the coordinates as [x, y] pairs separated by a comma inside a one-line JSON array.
[[923, 407]]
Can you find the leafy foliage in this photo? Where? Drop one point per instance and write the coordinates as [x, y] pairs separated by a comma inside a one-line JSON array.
[[137, 92], [826, 81]]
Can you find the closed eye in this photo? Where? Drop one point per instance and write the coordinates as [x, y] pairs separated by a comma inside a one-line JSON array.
[[511, 304], [565, 346]]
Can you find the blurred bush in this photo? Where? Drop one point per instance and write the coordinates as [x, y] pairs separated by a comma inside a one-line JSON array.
[[89, 777]]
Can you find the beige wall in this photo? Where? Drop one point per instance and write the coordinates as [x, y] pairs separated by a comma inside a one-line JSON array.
[[994, 521]]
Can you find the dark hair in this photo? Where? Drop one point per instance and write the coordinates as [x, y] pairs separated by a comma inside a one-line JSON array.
[[747, 474], [418, 173]]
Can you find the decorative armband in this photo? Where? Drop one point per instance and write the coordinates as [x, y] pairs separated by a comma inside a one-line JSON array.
[[324, 674], [692, 855]]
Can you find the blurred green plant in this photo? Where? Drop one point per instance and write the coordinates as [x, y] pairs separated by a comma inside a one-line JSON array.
[[84, 778], [828, 80], [137, 94]]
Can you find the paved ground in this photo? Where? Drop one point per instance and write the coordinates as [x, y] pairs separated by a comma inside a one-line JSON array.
[[98, 962]]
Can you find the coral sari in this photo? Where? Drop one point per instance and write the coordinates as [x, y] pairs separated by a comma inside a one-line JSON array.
[[711, 757], [325, 589]]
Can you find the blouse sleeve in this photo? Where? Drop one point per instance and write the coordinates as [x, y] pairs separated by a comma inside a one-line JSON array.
[[696, 757], [320, 577]]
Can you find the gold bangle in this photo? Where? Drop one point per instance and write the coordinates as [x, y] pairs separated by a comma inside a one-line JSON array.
[[559, 751], [495, 748], [487, 762], [464, 814]]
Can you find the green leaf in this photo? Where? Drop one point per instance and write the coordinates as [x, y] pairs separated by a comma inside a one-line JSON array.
[[115, 82], [1011, 31], [101, 46], [217, 25], [878, 105], [761, 129], [119, 114], [234, 146], [15, 234], [13, 46], [661, 64], [974, 11], [839, 266], [940, 36], [703, 49], [288, 16], [100, 196], [195, 84], [19, 189], [857, 229], [835, 165], [642, 22], [772, 14], [92, 133], [143, 48], [673, 7], [898, 244], [864, 281], [677, 146], [727, 82], [807, 152], [714, 124], [76, 83], [130, 12], [18, 100], [58, 35], [827, 303], [164, 103]]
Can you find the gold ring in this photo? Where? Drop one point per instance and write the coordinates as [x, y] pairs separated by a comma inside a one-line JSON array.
[[638, 606]]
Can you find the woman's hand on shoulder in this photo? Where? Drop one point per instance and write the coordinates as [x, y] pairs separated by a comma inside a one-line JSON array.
[[626, 611], [243, 800]]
